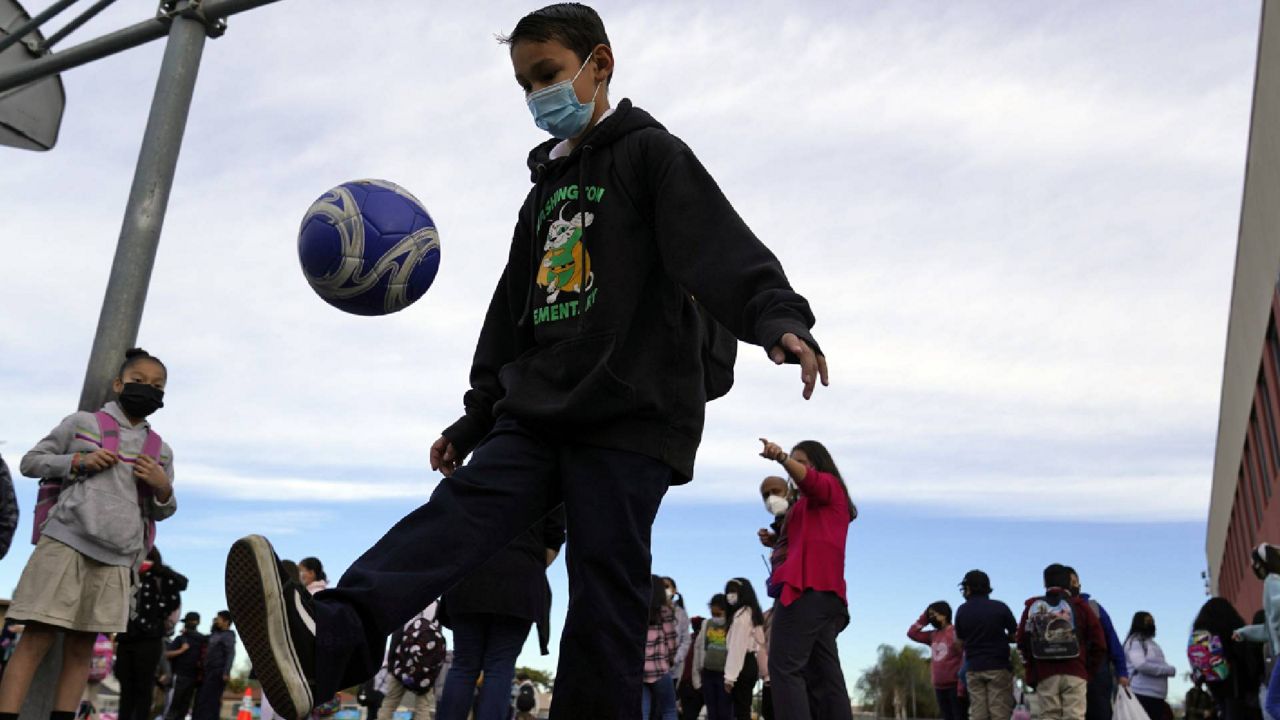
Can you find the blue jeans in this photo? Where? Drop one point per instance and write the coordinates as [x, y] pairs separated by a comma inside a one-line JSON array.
[[488, 644], [660, 694]]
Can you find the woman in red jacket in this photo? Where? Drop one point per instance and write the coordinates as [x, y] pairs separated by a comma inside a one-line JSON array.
[[807, 582]]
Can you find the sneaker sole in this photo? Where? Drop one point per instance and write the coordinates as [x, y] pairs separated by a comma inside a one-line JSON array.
[[256, 600]]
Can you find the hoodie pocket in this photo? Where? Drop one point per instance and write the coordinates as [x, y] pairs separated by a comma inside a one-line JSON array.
[[108, 520], [570, 381]]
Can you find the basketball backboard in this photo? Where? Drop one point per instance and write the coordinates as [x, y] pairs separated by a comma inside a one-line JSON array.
[[29, 115]]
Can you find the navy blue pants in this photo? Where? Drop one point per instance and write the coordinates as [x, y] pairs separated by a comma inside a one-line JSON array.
[[515, 477], [209, 697]]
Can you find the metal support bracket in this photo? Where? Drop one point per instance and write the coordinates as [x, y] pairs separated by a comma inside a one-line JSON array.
[[193, 9]]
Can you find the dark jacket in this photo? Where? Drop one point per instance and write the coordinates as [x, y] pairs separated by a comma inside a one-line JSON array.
[[987, 628], [514, 582], [159, 595], [222, 653], [592, 330], [188, 663], [8, 509], [1093, 642]]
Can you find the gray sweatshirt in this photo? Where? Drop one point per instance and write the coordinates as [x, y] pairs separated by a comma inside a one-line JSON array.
[[98, 515]]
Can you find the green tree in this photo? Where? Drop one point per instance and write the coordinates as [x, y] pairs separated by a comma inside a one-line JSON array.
[[899, 685], [541, 678]]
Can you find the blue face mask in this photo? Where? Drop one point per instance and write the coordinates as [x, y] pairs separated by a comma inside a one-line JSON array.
[[556, 108]]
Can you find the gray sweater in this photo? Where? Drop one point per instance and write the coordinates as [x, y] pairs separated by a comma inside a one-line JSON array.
[[98, 514]]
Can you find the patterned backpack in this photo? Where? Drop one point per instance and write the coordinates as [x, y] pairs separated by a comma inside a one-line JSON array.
[[418, 652], [1207, 656], [1052, 626]]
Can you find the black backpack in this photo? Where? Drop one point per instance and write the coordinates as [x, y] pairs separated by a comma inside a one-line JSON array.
[[719, 348], [525, 699]]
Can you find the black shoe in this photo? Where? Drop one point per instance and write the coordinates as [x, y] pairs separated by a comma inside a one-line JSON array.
[[277, 624]]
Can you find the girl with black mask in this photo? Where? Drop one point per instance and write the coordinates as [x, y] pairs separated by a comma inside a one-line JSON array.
[[1148, 672], [113, 477]]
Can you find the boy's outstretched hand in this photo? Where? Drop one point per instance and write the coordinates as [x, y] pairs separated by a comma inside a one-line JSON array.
[[812, 365], [444, 457]]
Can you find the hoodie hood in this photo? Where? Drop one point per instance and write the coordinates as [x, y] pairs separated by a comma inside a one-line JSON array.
[[625, 119]]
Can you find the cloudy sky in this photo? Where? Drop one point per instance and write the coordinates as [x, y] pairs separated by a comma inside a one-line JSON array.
[[1015, 223]]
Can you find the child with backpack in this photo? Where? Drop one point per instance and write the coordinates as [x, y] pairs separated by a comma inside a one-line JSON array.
[[413, 664], [526, 701], [589, 387], [1230, 670], [1062, 645], [114, 478]]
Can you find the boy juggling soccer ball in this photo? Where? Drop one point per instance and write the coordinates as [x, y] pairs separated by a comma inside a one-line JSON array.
[[588, 388]]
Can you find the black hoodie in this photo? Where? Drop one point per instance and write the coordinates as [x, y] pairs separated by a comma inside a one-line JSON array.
[[650, 230]]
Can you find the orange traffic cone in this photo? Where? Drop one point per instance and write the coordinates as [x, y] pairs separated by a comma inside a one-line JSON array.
[[246, 706]]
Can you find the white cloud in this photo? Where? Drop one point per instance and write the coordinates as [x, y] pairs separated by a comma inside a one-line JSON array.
[[1016, 230]]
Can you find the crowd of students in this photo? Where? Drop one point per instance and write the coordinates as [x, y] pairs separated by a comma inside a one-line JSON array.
[[1076, 666]]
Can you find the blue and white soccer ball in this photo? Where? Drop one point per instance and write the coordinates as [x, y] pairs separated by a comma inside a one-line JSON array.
[[368, 247]]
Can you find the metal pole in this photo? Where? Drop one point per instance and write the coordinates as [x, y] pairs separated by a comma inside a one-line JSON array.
[[85, 52], [34, 23], [144, 213], [75, 23]]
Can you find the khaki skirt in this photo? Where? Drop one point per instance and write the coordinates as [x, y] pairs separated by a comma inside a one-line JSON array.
[[61, 587]]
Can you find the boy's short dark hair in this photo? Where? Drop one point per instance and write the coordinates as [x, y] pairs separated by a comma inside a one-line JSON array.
[[226, 617], [573, 25], [1057, 575]]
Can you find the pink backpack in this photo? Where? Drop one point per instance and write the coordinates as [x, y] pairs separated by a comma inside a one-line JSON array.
[[51, 488], [101, 661]]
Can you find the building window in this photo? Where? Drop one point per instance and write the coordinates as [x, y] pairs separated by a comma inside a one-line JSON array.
[[1264, 465], [1269, 415], [1248, 498]]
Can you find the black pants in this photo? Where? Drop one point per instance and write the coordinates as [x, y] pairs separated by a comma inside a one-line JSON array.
[[135, 668], [184, 691], [745, 687], [1156, 708], [803, 660], [514, 478], [1099, 694], [690, 700], [209, 697], [949, 704]]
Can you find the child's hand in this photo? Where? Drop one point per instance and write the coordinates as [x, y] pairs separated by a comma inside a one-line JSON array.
[[444, 457], [767, 539], [98, 460], [812, 365], [149, 471]]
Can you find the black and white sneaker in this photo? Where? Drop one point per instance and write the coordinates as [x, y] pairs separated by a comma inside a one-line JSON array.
[[275, 619]]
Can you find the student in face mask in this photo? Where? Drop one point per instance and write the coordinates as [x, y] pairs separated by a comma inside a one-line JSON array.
[[747, 660], [78, 580], [1149, 673], [588, 387], [710, 651], [946, 656]]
